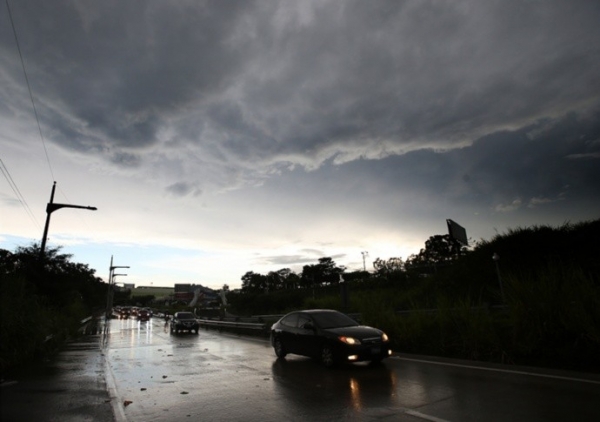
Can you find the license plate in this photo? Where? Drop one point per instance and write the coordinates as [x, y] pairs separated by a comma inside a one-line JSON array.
[[375, 350]]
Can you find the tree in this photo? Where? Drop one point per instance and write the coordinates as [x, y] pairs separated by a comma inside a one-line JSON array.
[[283, 279], [253, 282], [324, 273], [392, 265], [439, 250], [55, 293], [57, 277], [274, 281], [290, 279]]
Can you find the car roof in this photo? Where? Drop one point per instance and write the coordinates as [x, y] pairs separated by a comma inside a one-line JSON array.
[[319, 310], [316, 311]]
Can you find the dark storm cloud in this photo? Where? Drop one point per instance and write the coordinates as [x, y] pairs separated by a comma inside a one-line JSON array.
[[547, 162], [119, 67], [256, 85]]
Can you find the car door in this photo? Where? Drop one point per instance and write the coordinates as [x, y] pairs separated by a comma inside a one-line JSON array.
[[287, 334], [306, 336]]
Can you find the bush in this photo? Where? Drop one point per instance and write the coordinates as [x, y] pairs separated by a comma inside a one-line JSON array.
[[555, 316]]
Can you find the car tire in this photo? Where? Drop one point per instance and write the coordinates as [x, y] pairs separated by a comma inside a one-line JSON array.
[[279, 348], [327, 356]]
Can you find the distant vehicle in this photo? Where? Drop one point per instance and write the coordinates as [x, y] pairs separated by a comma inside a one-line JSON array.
[[330, 336], [143, 315], [184, 321], [124, 312]]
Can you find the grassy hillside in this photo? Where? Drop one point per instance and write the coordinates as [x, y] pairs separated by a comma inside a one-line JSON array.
[[157, 292]]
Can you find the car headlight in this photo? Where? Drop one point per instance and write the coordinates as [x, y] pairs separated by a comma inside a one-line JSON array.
[[384, 337], [349, 340]]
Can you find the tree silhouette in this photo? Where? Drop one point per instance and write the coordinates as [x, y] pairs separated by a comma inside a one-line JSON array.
[[439, 250]]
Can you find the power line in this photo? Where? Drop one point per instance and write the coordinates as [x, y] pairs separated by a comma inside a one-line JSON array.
[[30, 92], [17, 192]]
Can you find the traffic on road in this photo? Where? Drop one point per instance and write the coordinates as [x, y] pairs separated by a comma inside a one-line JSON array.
[[154, 375]]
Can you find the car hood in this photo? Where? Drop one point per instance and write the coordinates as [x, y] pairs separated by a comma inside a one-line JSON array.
[[359, 331]]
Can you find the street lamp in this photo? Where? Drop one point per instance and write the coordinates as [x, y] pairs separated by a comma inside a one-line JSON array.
[[110, 291], [364, 254], [50, 208], [496, 258]]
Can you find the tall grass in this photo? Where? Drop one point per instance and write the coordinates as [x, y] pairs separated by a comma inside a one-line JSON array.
[[555, 316], [552, 318]]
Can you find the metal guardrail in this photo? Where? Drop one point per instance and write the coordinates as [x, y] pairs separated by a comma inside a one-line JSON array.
[[237, 326], [255, 325]]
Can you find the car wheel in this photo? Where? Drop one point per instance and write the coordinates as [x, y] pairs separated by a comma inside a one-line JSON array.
[[279, 349], [327, 356], [196, 331]]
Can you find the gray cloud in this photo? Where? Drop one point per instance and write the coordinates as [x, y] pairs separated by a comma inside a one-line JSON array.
[[249, 89], [183, 189]]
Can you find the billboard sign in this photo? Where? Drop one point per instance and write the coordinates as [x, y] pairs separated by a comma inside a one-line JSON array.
[[457, 232]]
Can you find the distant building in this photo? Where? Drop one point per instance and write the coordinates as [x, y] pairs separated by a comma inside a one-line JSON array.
[[183, 292], [194, 293], [128, 286]]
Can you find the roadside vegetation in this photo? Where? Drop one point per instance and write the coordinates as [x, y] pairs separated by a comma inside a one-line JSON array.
[[537, 304], [42, 302]]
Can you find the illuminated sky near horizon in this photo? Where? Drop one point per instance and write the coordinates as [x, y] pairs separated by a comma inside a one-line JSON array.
[[221, 137]]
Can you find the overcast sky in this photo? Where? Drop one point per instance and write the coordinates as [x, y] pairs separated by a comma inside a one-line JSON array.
[[221, 137]]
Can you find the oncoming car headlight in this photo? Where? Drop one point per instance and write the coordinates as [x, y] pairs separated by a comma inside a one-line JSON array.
[[384, 337], [349, 340]]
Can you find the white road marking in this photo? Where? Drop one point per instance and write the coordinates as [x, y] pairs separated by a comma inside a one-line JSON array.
[[508, 371], [111, 386], [424, 416]]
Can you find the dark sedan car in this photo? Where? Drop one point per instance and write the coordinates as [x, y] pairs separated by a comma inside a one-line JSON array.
[[184, 321], [143, 315], [330, 336]]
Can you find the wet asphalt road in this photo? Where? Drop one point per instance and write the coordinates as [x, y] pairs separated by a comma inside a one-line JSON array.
[[154, 376], [68, 388], [221, 377]]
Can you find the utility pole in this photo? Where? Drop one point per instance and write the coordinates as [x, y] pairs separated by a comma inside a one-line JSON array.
[[50, 208], [496, 258], [111, 291], [364, 254]]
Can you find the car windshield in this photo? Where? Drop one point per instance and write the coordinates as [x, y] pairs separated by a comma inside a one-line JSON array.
[[333, 320], [186, 315]]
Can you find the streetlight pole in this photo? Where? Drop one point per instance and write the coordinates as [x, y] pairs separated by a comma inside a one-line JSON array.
[[496, 258], [110, 292], [50, 208], [364, 254]]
